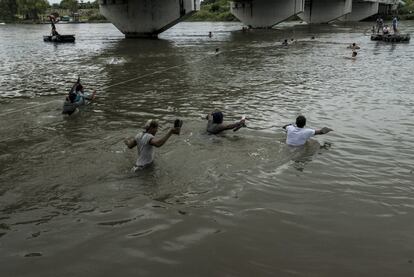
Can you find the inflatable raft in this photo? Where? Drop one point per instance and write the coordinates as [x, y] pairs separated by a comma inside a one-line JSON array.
[[391, 38], [59, 38]]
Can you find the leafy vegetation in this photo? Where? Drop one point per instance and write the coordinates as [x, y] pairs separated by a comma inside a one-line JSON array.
[[37, 10], [214, 10], [8, 10], [31, 9], [407, 9], [71, 5]]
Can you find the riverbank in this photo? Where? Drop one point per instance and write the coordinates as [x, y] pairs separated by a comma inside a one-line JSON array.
[[62, 15]]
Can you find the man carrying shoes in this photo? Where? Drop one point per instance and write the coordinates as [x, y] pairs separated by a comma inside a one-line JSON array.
[[146, 141]]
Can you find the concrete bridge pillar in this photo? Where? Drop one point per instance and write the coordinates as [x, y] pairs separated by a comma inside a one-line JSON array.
[[387, 6], [361, 10], [325, 11], [146, 18], [265, 13]]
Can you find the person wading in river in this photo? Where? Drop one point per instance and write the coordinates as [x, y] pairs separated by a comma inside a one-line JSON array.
[[216, 125], [76, 98], [146, 140], [298, 135]]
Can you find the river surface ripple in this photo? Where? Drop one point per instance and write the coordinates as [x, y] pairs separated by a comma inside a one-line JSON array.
[[240, 204]]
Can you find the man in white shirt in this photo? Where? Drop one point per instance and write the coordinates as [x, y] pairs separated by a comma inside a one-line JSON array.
[[145, 142], [298, 135]]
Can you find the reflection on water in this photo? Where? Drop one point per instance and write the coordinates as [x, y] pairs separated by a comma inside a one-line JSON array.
[[239, 204]]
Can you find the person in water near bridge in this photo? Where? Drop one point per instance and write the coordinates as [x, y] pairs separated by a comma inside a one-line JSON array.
[[76, 98], [146, 140], [354, 54], [215, 123], [298, 135], [354, 46]]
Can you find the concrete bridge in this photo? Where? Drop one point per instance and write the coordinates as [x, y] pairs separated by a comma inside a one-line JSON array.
[[148, 18], [267, 13]]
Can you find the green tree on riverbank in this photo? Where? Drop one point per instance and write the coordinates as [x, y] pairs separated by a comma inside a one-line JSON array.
[[8, 10], [214, 10], [407, 8], [31, 9], [71, 5]]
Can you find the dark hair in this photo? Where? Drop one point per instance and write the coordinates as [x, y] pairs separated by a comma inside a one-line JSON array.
[[217, 117], [72, 97], [301, 121], [79, 87]]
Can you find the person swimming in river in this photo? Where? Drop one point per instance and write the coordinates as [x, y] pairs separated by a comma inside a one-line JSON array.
[[76, 98], [354, 54], [285, 43], [354, 46], [215, 124]]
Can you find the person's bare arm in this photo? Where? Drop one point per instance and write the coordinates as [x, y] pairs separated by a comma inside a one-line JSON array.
[[158, 142], [228, 126], [232, 125], [284, 127], [323, 131]]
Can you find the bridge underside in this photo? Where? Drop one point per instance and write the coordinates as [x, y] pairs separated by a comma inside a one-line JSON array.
[[361, 10], [267, 13], [325, 11], [264, 13], [146, 18]]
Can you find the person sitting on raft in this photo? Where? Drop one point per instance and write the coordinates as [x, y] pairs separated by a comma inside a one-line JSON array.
[[385, 30], [215, 123]]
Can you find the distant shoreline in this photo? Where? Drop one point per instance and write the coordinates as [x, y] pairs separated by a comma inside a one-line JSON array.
[[408, 17], [58, 23]]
